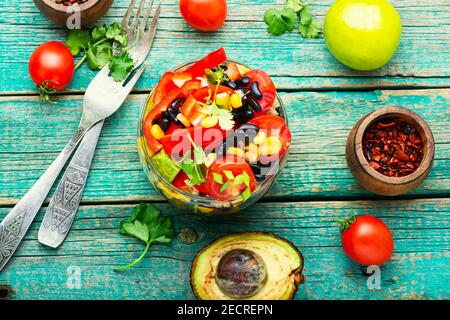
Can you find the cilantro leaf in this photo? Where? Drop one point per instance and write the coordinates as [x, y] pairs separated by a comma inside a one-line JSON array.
[[295, 5], [226, 121], [215, 77], [280, 21], [120, 66], [98, 56], [310, 31], [98, 32], [193, 171], [305, 17], [77, 40], [115, 32], [147, 225]]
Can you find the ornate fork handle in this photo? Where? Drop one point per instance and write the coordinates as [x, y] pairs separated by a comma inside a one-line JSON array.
[[16, 223], [65, 202]]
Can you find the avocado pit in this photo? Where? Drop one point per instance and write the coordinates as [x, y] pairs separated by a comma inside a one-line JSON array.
[[241, 273]]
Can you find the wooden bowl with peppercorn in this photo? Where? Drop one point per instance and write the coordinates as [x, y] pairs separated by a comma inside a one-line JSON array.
[[59, 11], [390, 151]]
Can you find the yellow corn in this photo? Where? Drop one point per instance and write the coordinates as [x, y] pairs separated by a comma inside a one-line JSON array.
[[210, 159], [236, 101], [272, 145], [157, 132], [236, 152], [260, 138], [209, 122], [251, 157], [223, 99], [185, 121], [252, 148]]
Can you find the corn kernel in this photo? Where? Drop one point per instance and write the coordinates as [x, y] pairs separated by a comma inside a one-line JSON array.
[[236, 152], [251, 157], [252, 148], [223, 99], [272, 145], [236, 101], [210, 159], [260, 138], [209, 122], [157, 132], [185, 121]]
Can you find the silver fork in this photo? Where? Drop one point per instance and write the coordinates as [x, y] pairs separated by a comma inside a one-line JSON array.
[[64, 204]]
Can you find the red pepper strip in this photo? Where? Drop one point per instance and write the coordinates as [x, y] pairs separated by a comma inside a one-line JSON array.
[[212, 60], [165, 85]]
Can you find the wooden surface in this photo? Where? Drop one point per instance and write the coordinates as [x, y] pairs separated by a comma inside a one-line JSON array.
[[323, 100]]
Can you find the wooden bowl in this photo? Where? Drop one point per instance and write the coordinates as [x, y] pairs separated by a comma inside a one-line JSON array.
[[375, 181], [90, 11]]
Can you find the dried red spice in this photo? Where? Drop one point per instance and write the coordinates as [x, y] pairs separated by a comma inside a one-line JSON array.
[[393, 147]]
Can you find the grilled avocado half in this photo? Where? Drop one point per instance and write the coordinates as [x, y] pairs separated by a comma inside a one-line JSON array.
[[249, 265]]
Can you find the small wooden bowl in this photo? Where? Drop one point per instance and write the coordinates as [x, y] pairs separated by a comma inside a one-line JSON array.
[[91, 11], [375, 181]]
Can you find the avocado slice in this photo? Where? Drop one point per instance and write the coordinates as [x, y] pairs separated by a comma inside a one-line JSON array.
[[248, 265], [165, 166]]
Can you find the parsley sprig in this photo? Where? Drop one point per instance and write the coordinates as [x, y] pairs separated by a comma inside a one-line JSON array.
[[100, 46], [192, 167], [147, 225], [283, 20]]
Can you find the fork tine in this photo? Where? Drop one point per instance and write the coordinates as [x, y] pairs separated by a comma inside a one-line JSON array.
[[138, 15], [133, 80], [126, 18], [146, 16], [152, 30]]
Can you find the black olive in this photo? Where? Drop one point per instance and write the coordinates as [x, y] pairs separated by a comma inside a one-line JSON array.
[[172, 113], [163, 123], [177, 103], [254, 105], [243, 82], [230, 84], [254, 89]]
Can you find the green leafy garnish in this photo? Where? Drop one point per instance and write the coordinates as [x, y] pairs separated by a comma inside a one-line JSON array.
[[215, 77], [225, 116], [283, 20], [147, 225], [228, 174], [120, 66], [97, 46], [192, 168]]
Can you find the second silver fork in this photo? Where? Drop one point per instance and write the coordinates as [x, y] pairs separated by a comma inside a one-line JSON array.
[[64, 204]]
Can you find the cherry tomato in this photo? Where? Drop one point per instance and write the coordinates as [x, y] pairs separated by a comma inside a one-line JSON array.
[[367, 240], [210, 61], [52, 66], [274, 126], [266, 86], [204, 15], [237, 167]]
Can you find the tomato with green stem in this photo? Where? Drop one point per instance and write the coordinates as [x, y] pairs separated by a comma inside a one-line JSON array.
[[51, 67], [366, 240]]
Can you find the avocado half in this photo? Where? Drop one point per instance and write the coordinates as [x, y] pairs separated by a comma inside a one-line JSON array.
[[248, 265]]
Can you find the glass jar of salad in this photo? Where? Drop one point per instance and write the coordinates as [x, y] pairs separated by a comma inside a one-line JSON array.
[[213, 135]]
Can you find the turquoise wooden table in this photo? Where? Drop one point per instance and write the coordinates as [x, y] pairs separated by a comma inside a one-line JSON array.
[[323, 99]]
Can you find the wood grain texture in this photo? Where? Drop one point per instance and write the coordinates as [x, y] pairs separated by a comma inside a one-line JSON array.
[[419, 269], [32, 135], [422, 59]]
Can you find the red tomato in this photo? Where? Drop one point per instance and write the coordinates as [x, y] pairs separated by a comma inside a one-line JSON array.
[[179, 182], [204, 15], [52, 65], [236, 166], [266, 86], [367, 240], [274, 125], [202, 93], [212, 60]]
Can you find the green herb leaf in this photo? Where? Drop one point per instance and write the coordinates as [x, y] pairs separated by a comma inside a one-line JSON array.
[[280, 21], [295, 5], [193, 171], [98, 56], [77, 40], [115, 32], [228, 174], [223, 187], [313, 30], [218, 178], [120, 66], [147, 225], [226, 121], [215, 77], [98, 32], [305, 17]]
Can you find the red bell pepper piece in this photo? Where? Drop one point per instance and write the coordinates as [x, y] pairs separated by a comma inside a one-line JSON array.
[[165, 86], [212, 60]]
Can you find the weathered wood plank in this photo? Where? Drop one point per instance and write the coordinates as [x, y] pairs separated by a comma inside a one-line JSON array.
[[294, 62], [32, 135], [419, 268]]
